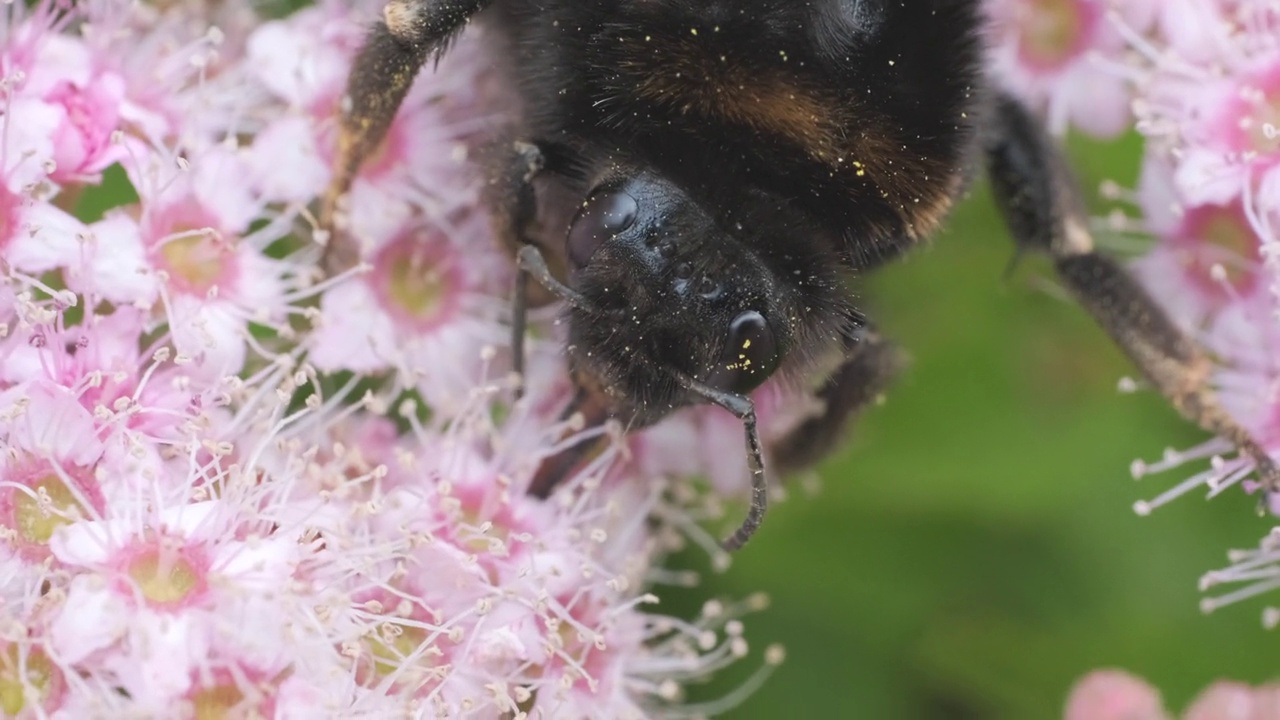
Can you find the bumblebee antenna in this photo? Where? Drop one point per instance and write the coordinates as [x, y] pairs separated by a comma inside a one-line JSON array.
[[742, 407], [529, 260]]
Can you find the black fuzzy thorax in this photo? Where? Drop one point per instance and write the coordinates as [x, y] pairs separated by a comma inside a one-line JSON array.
[[872, 146]]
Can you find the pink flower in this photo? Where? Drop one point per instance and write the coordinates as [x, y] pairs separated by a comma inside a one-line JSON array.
[[1113, 695], [35, 235], [1199, 31], [205, 261], [1209, 256], [1116, 695], [1235, 701], [426, 308], [1229, 126], [1060, 56]]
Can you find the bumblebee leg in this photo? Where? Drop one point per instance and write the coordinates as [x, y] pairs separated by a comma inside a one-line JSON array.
[[399, 44], [870, 363], [1043, 207], [517, 205]]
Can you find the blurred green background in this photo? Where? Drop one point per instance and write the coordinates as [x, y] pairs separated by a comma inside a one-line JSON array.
[[973, 550]]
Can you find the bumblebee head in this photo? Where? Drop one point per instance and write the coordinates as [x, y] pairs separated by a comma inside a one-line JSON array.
[[669, 293]]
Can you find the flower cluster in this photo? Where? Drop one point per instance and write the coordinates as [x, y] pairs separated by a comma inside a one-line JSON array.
[[233, 486], [1201, 82]]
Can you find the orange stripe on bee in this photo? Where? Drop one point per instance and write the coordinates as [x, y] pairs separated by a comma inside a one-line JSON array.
[[696, 80], [693, 76]]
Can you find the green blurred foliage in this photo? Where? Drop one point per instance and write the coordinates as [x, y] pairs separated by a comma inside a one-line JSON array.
[[973, 550]]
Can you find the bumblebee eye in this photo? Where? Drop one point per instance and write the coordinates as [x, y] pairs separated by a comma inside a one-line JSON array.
[[602, 216], [750, 356]]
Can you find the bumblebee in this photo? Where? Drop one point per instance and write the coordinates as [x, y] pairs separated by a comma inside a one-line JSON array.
[[733, 163]]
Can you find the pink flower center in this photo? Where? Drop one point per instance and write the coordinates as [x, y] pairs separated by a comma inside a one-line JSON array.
[[417, 280], [31, 679], [476, 508], [197, 260], [167, 574], [186, 243], [1214, 235], [1055, 32], [1257, 114]]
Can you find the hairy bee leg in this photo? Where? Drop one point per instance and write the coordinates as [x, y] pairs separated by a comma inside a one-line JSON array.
[[870, 364], [518, 203], [1043, 207], [399, 44]]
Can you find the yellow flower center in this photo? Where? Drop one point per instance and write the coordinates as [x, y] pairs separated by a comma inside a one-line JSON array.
[[416, 287], [195, 258], [22, 680], [1229, 238], [218, 702], [1053, 30], [1263, 125], [391, 645], [164, 575], [37, 517]]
